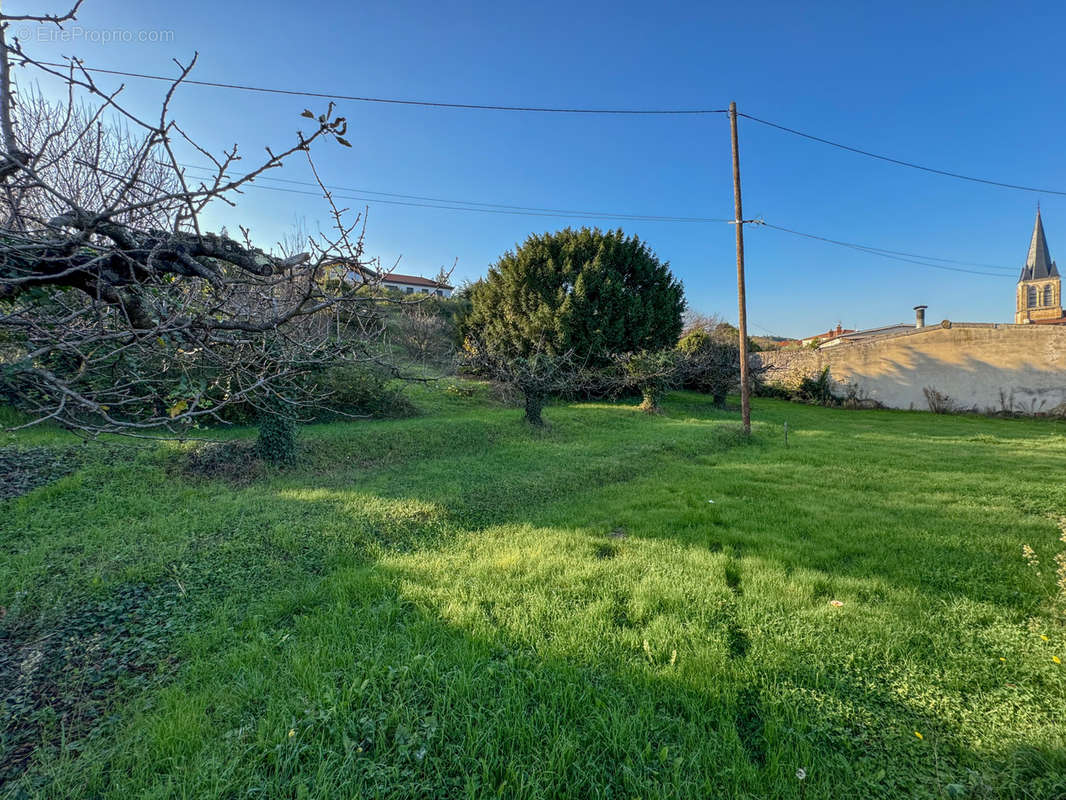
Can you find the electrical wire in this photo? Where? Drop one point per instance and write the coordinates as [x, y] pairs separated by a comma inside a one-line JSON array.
[[559, 110], [890, 254], [333, 187], [901, 162], [533, 211], [460, 205], [395, 101], [767, 331]]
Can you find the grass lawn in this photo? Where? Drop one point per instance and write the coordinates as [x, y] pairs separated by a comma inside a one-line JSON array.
[[455, 605]]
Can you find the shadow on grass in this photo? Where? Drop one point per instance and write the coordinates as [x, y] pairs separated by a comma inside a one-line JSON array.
[[850, 507], [357, 687], [393, 684]]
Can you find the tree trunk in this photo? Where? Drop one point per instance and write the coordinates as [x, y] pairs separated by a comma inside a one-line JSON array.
[[651, 400], [534, 405], [277, 439]]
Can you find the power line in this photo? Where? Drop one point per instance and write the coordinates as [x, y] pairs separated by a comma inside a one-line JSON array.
[[395, 101], [900, 162], [463, 205], [890, 254], [884, 251], [535, 211], [479, 203], [555, 110]]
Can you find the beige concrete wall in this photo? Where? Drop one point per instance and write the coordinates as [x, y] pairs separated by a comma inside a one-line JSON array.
[[979, 367]]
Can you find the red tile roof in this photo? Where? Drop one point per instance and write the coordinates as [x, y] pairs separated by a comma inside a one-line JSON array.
[[414, 280], [838, 331]]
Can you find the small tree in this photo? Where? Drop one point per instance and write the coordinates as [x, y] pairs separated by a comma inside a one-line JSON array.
[[277, 439], [710, 363], [586, 292], [536, 377], [424, 333], [653, 374]]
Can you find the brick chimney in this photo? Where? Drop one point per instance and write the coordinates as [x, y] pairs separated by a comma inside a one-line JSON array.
[[919, 316]]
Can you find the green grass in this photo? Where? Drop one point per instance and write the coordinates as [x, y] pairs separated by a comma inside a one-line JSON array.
[[455, 605]]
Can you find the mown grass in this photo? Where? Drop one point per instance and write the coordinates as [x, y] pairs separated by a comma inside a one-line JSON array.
[[457, 606]]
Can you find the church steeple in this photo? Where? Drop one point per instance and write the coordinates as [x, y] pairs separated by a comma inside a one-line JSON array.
[[1038, 263], [1039, 292]]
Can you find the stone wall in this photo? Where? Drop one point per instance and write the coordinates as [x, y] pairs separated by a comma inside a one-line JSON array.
[[982, 367]]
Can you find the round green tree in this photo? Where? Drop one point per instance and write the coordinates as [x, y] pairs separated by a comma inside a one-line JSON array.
[[591, 293]]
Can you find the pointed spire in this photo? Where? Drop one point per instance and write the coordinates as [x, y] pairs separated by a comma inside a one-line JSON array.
[[1038, 263]]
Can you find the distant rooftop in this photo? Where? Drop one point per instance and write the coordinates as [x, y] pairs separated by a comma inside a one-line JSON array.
[[413, 280], [830, 334]]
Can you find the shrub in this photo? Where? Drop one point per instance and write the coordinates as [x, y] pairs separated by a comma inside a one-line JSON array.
[[361, 390], [592, 294], [818, 391], [939, 403], [350, 390], [774, 390]]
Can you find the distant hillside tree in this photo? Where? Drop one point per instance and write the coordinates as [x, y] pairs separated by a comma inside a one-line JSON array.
[[586, 292], [718, 328]]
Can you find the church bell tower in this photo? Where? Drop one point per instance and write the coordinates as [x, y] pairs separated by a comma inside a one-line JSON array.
[[1039, 287]]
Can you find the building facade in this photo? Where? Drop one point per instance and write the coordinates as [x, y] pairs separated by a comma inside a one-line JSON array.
[[355, 273], [415, 284], [1039, 293]]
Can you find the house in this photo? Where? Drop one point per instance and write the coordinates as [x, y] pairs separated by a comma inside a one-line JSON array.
[[871, 333], [867, 334], [414, 284], [353, 273], [821, 338]]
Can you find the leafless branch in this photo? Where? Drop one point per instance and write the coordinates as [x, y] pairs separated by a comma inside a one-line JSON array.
[[118, 311]]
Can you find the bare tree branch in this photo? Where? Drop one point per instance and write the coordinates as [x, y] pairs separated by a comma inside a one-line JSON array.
[[118, 311]]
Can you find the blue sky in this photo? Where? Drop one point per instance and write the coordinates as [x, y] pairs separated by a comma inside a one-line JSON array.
[[969, 87]]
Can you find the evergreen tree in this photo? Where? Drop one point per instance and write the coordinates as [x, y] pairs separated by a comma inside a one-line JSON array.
[[586, 292]]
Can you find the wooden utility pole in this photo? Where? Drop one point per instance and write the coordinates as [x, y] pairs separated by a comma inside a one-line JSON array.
[[742, 304]]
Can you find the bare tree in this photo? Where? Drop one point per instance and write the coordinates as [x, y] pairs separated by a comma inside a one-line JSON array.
[[652, 373], [82, 155], [698, 321], [423, 334], [536, 377], [118, 311]]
